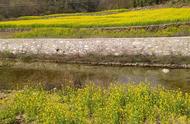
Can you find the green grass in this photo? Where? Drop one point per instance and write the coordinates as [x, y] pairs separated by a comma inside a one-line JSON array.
[[119, 19], [106, 12], [183, 30], [117, 104]]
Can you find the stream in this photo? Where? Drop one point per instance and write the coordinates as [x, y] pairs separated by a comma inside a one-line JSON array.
[[53, 75]]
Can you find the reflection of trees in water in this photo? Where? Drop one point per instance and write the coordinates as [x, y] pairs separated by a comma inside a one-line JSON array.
[[175, 79], [58, 75], [52, 78]]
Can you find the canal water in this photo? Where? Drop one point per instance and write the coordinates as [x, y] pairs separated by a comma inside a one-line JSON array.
[[52, 75]]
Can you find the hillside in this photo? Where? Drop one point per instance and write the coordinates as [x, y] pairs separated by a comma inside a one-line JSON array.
[[17, 8]]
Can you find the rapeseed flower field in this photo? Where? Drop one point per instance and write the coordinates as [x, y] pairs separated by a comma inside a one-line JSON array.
[[119, 19], [116, 104]]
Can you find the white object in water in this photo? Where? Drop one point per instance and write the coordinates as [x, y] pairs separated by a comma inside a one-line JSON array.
[[165, 70]]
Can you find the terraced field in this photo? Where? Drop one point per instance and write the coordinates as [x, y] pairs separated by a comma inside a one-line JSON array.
[[80, 25], [132, 18]]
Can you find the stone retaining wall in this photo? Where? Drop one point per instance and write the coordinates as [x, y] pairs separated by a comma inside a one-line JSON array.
[[165, 46], [101, 46]]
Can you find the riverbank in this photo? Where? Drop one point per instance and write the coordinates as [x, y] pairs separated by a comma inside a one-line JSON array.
[[163, 30], [92, 104], [161, 52]]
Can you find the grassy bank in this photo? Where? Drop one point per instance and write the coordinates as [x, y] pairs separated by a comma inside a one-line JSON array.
[[131, 18], [183, 30], [92, 104], [106, 12]]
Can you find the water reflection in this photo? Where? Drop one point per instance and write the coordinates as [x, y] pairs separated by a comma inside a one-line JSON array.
[[56, 75]]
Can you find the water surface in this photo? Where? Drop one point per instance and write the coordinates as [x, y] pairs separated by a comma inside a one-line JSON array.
[[51, 75]]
